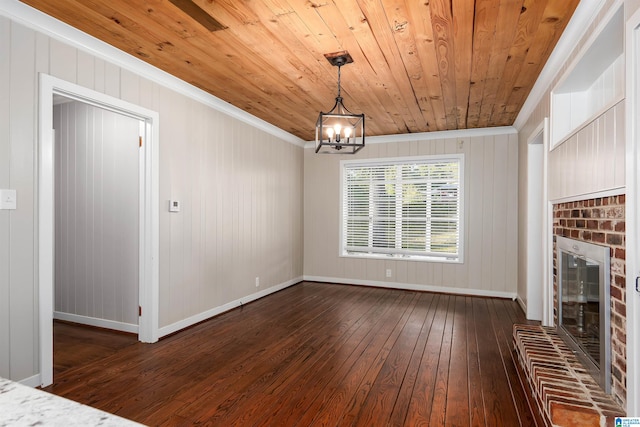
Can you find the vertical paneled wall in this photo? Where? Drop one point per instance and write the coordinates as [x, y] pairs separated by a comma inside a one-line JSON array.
[[5, 216], [242, 198], [240, 188], [96, 214], [592, 159], [490, 219], [18, 294], [241, 216]]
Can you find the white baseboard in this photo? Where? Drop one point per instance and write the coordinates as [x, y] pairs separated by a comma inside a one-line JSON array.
[[33, 381], [185, 323], [414, 287], [93, 321], [523, 306]]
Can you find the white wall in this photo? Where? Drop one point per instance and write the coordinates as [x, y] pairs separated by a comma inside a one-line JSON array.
[[490, 211], [97, 198], [240, 187]]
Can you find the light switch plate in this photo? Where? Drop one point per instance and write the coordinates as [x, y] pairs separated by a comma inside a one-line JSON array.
[[8, 199]]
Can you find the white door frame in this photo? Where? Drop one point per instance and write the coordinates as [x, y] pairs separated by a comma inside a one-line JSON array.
[[149, 212], [540, 239], [547, 231], [632, 61], [535, 278]]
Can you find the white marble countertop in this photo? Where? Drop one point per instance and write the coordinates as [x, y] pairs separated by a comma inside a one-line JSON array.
[[25, 406]]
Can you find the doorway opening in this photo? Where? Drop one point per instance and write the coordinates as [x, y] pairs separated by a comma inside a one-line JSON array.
[[96, 231], [146, 252]]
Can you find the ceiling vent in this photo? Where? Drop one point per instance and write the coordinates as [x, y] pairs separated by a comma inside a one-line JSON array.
[[197, 13]]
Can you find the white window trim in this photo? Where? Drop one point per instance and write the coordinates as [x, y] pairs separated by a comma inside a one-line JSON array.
[[399, 160]]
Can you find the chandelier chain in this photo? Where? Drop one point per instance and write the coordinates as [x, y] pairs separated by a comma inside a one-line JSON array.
[[339, 67]]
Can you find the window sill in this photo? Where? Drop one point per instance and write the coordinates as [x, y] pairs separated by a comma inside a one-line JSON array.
[[385, 257]]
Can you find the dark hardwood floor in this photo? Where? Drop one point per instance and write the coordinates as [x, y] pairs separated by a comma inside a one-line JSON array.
[[76, 345], [312, 354]]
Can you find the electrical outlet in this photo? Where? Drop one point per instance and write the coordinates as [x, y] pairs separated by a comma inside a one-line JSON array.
[[257, 282], [389, 272]]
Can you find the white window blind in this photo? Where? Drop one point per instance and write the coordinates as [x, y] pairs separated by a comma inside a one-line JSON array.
[[402, 208]]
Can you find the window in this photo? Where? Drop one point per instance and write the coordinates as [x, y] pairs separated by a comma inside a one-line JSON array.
[[403, 208]]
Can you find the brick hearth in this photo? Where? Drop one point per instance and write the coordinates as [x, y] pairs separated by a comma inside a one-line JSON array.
[[565, 392]]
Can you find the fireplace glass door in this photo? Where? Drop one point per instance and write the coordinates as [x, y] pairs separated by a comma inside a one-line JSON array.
[[580, 303], [583, 305]]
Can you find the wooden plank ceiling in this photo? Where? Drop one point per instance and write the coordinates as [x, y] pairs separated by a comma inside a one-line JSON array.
[[419, 65]]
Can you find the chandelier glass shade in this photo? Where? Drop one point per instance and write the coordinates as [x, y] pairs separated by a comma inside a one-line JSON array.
[[339, 131]]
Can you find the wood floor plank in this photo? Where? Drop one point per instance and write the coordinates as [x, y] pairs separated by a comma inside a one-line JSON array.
[[381, 399], [104, 343], [419, 412], [498, 403], [438, 408], [504, 332], [331, 372], [343, 388], [188, 348], [269, 357], [401, 407], [476, 398], [312, 354], [373, 373], [457, 402], [318, 345]]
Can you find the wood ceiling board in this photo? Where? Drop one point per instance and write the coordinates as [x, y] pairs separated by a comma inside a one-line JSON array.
[[262, 73], [362, 77], [508, 15], [250, 80], [486, 12], [289, 56], [152, 47], [381, 106], [260, 39], [419, 66], [442, 23], [430, 81], [404, 37], [463, 41], [553, 21], [531, 12], [382, 30]]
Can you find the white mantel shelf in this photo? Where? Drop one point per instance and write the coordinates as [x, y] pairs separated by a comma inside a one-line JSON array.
[[21, 405]]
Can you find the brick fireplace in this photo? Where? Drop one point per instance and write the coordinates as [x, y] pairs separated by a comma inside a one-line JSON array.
[[601, 221]]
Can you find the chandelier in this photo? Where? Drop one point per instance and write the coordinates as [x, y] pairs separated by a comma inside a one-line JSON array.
[[339, 131]]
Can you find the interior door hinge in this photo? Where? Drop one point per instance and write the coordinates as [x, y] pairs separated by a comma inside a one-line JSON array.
[[140, 140], [139, 310]]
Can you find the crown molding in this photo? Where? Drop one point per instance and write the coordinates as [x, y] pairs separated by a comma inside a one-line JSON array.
[[428, 136], [45, 24]]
